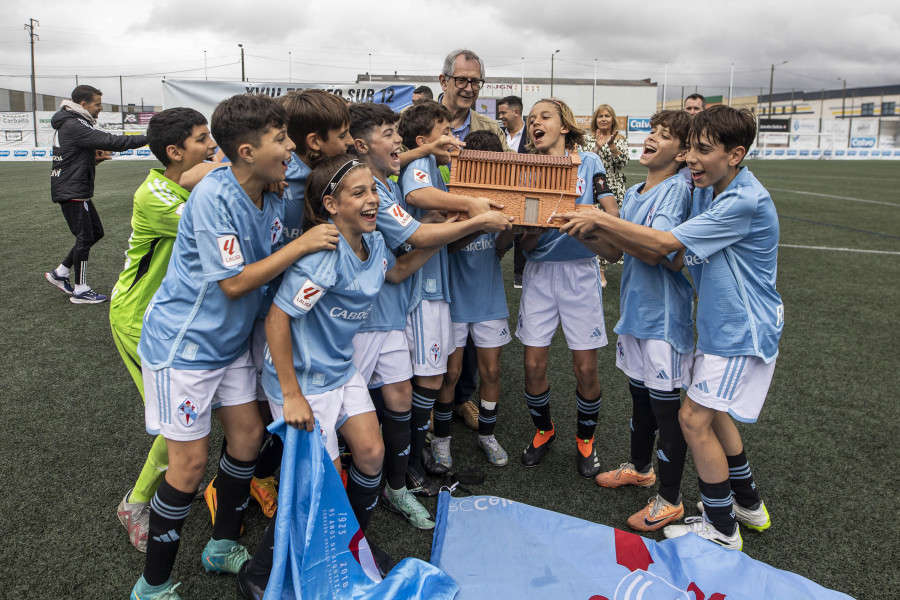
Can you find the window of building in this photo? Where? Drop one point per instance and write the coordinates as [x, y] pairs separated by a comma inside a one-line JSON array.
[[888, 108], [867, 109]]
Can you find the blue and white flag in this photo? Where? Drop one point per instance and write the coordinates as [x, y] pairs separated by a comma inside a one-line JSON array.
[[496, 548], [320, 551]]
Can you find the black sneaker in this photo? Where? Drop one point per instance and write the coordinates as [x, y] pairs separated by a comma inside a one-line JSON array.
[[532, 456], [383, 560], [421, 484], [432, 467], [88, 297], [60, 282], [248, 588], [588, 466]]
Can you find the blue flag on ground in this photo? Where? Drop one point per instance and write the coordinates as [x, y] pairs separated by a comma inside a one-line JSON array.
[[496, 548], [320, 551]]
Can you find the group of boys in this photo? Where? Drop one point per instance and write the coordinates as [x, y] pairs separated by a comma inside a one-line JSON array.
[[185, 306]]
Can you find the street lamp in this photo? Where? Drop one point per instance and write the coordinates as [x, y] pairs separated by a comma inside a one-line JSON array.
[[594, 90], [843, 98], [289, 67], [243, 74], [771, 81], [552, 58]]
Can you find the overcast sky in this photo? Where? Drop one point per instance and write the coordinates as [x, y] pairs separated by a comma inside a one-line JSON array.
[[334, 40]]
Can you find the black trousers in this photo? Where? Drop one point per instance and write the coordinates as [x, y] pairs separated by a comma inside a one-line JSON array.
[[85, 225]]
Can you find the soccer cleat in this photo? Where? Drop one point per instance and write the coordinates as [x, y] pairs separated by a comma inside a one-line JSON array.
[[705, 529], [757, 519], [135, 518], [626, 474], [469, 413], [229, 561], [60, 282], [535, 453], [657, 514], [440, 451], [495, 453], [88, 297], [419, 483], [249, 589], [404, 503], [144, 591], [264, 492], [588, 466]]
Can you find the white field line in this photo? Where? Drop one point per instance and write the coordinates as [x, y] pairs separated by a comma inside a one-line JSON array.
[[838, 249], [803, 193]]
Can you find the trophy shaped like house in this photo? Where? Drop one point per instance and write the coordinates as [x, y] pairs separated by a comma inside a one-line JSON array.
[[531, 187]]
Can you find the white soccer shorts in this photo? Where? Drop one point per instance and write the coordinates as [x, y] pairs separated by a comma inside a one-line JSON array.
[[734, 384], [485, 334], [655, 362], [567, 292], [382, 357], [333, 408], [430, 337], [179, 402]]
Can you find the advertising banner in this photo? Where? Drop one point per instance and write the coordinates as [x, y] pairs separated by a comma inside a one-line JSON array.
[[205, 95], [803, 133], [16, 132], [774, 125], [863, 133]]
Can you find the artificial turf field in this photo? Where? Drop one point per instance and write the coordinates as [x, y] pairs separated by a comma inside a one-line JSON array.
[[824, 452]]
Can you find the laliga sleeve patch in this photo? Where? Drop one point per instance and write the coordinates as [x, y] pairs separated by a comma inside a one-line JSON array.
[[230, 249], [421, 176], [601, 188], [400, 215], [308, 295]]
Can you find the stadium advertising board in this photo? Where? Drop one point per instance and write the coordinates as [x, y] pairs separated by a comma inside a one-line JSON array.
[[205, 95]]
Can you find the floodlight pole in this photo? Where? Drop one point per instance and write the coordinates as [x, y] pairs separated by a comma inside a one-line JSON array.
[[665, 81], [29, 27], [370, 67], [731, 83], [843, 99], [552, 59], [289, 67], [122, 104], [205, 72], [771, 81], [594, 91], [243, 72]]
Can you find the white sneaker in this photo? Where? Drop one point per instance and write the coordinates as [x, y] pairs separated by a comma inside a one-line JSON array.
[[757, 519], [705, 529], [440, 450], [403, 502], [495, 453]]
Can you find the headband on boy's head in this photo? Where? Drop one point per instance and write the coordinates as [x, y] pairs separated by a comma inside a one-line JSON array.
[[338, 176]]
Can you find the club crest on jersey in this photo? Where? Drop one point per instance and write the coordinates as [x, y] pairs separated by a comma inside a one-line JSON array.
[[276, 230], [421, 176], [308, 295], [384, 265], [579, 189], [434, 353], [620, 349], [187, 412], [400, 215], [230, 250]]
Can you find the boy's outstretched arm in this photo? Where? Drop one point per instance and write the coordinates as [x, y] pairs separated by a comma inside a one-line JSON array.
[[633, 237], [431, 198], [438, 148], [259, 273], [297, 412], [431, 235]]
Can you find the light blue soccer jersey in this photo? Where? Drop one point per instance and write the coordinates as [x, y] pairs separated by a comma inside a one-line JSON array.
[[296, 175], [190, 324], [656, 302], [476, 282], [396, 226], [732, 252], [557, 246], [328, 296], [434, 275]]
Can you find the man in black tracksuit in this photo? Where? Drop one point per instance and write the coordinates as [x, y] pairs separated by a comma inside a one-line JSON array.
[[77, 148]]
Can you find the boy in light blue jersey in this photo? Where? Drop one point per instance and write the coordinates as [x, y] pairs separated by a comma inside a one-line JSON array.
[[194, 342], [656, 338], [381, 348], [730, 245], [561, 285], [428, 326], [478, 310]]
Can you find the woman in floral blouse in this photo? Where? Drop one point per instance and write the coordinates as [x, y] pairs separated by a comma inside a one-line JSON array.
[[612, 147]]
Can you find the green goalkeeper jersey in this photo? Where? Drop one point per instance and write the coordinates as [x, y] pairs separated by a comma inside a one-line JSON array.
[[158, 205]]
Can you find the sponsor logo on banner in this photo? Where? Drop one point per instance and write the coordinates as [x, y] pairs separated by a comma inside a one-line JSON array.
[[308, 295], [20, 153], [862, 142], [639, 124], [39, 153], [774, 125], [230, 250], [4, 153], [126, 153], [400, 215], [143, 152]]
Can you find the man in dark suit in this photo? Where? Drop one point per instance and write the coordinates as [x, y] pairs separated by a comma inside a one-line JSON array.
[[509, 111]]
